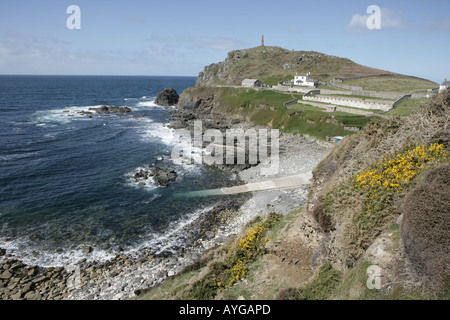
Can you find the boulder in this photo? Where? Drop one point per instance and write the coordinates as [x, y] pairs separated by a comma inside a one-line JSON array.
[[163, 176], [6, 275], [112, 109], [167, 97], [87, 249]]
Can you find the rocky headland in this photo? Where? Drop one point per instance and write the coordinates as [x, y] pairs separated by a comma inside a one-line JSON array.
[[331, 227]]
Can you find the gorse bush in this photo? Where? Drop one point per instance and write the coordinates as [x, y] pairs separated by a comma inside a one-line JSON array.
[[246, 250], [390, 176]]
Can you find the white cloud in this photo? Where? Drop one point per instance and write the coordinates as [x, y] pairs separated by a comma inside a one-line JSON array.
[[390, 19]]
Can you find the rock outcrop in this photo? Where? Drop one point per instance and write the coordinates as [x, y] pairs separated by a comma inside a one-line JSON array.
[[167, 97], [109, 109], [162, 176]]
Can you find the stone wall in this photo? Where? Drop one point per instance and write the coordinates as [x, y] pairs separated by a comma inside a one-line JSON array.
[[353, 102], [357, 90], [281, 87]]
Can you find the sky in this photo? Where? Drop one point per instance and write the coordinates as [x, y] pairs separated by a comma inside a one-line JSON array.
[[179, 38]]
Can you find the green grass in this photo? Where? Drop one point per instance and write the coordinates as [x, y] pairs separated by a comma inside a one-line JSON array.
[[266, 107], [352, 120], [355, 96], [274, 80], [245, 97], [393, 83], [170, 288], [305, 107], [405, 107]]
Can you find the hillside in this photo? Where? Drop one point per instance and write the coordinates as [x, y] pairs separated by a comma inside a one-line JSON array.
[[217, 92], [274, 64], [382, 183], [379, 201], [378, 205]]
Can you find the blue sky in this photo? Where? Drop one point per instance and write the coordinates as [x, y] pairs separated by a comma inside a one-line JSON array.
[[138, 37]]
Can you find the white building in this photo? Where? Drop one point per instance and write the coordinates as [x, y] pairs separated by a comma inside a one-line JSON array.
[[304, 79], [444, 85], [251, 83]]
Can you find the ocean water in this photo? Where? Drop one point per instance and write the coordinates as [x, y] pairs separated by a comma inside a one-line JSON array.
[[66, 179]]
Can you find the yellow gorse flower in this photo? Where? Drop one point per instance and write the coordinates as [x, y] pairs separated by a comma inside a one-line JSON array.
[[392, 175], [247, 249]]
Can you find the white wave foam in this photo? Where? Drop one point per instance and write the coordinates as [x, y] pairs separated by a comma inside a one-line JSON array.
[[171, 138], [146, 184], [147, 104], [63, 115], [28, 254], [173, 238]]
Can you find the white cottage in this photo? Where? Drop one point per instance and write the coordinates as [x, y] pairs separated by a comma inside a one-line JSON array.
[[304, 79], [444, 85]]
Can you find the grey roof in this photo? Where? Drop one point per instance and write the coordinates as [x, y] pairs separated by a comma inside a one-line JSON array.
[[446, 83]]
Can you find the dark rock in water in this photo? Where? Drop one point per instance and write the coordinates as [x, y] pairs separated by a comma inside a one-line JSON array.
[[163, 176], [86, 113], [119, 110], [141, 174], [167, 97], [112, 109]]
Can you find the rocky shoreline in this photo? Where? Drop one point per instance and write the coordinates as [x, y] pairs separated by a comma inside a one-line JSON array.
[[125, 275], [117, 278]]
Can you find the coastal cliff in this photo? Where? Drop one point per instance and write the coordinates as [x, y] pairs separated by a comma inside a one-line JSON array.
[[358, 216], [328, 248], [377, 202]]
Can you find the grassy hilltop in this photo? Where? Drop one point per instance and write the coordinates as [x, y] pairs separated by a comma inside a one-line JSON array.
[[274, 64]]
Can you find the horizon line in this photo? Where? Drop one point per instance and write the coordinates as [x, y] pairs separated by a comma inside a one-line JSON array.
[[94, 75]]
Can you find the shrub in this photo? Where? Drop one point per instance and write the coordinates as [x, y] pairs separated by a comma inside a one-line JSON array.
[[425, 228], [390, 176]]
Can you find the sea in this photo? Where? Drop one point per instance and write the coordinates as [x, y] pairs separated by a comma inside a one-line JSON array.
[[67, 177]]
